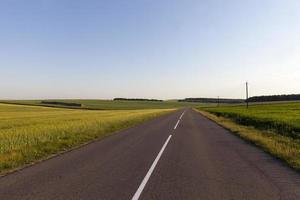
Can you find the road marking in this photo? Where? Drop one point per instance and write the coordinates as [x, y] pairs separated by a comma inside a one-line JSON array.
[[176, 124], [182, 115], [148, 175], [144, 182], [179, 120]]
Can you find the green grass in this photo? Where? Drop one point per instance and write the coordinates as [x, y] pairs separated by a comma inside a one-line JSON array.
[[31, 133], [113, 105], [281, 118], [273, 127]]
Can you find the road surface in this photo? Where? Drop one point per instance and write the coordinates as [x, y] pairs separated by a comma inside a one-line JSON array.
[[182, 155]]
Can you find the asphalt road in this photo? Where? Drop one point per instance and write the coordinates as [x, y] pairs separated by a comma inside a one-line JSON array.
[[166, 158]]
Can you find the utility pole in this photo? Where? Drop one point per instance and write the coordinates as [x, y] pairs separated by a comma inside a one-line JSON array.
[[218, 101], [247, 94]]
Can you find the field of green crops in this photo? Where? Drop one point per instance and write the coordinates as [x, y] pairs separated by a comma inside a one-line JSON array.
[[282, 118], [113, 105], [30, 133]]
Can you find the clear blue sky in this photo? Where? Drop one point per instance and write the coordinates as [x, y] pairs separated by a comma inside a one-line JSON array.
[[148, 48]]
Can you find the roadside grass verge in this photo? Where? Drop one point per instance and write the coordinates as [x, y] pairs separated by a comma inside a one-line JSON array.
[[29, 134], [284, 147]]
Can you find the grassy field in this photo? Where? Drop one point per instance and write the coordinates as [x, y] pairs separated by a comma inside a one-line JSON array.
[[112, 105], [274, 127], [31, 133], [281, 118]]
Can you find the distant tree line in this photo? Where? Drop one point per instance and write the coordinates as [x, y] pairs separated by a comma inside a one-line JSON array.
[[135, 99], [212, 100], [61, 103], [290, 97]]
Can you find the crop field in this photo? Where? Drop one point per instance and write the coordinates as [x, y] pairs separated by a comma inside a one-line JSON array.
[[281, 118], [112, 105], [30, 133], [274, 127]]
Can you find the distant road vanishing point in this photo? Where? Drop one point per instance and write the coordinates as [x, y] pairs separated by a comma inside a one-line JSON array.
[[182, 155]]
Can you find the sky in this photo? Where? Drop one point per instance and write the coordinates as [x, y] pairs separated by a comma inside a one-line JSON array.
[[165, 49]]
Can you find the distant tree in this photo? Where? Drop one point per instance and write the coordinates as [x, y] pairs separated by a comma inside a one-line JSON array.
[[61, 103], [135, 99], [212, 100], [284, 97]]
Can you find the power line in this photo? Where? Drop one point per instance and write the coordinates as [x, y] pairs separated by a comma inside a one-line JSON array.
[[247, 94]]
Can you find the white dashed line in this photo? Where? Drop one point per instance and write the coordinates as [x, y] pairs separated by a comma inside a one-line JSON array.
[[148, 175], [182, 115], [176, 124], [179, 120], [144, 182]]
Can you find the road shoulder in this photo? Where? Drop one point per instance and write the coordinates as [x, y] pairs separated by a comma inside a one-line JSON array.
[[281, 147]]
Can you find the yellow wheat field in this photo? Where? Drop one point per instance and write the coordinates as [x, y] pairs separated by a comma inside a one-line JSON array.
[[29, 133]]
